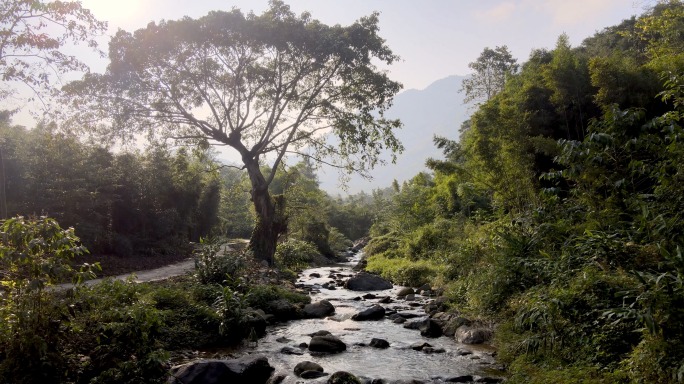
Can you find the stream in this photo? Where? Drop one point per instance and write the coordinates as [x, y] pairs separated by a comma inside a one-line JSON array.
[[398, 362]]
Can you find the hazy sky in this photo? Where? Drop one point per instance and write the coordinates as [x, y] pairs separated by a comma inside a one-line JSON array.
[[435, 38]]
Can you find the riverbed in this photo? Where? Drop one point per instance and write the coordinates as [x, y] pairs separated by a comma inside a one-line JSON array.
[[398, 362]]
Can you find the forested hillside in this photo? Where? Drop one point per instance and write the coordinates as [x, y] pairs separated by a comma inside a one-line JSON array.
[[557, 215]]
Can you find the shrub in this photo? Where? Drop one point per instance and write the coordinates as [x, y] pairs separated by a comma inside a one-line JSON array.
[[114, 335], [403, 271], [429, 239], [384, 243], [338, 241], [295, 254], [260, 295], [35, 254], [216, 262]]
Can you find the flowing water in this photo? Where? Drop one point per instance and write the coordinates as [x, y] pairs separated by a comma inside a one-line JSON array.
[[398, 361]]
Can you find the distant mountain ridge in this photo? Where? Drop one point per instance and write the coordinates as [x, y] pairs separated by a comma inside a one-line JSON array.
[[435, 110]]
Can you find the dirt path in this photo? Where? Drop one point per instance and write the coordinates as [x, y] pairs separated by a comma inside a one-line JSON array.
[[161, 273], [156, 274]]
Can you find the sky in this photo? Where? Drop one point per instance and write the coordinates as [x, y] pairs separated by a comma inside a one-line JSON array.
[[434, 38]]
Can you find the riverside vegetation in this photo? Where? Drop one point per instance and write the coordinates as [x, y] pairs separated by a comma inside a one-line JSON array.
[[557, 215], [556, 219]]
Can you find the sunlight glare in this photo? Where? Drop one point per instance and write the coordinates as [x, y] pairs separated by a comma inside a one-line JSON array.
[[118, 12]]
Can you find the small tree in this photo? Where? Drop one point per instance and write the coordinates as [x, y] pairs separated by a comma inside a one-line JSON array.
[[491, 70], [34, 255], [266, 86]]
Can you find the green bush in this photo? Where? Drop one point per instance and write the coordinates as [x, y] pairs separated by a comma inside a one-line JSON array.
[[403, 271], [189, 320], [114, 334], [35, 254], [384, 243], [295, 254], [215, 262], [260, 295], [430, 239]]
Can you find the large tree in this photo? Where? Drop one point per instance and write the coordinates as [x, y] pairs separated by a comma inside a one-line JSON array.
[[265, 85]]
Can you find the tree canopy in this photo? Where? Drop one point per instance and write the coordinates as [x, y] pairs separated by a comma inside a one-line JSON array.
[[31, 36], [491, 69]]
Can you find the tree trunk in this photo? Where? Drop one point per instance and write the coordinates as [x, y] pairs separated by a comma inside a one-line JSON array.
[[271, 221]]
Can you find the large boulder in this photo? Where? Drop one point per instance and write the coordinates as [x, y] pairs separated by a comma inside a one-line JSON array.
[[282, 310], [430, 329], [327, 344], [254, 321], [366, 282], [449, 322], [375, 312], [305, 366], [250, 369], [318, 310], [472, 335], [405, 291], [342, 377]]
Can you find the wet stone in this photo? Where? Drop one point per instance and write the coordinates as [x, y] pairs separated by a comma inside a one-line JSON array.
[[290, 351], [405, 291], [327, 344], [430, 350], [420, 345], [305, 366], [322, 332], [379, 343], [312, 374], [460, 379], [375, 312]]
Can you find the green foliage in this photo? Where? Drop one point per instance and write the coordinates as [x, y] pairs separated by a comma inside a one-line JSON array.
[[128, 203], [32, 42], [381, 244], [403, 271], [216, 262], [35, 254], [558, 213], [260, 295], [118, 330], [295, 254], [491, 70], [338, 241]]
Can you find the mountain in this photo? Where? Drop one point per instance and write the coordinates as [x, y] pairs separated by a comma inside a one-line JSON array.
[[435, 110]]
